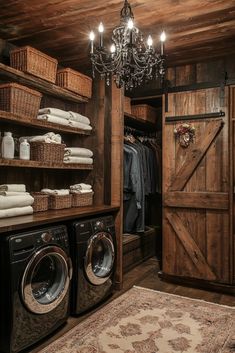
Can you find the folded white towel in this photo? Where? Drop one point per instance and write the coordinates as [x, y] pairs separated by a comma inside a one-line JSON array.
[[80, 125], [13, 193], [53, 119], [15, 201], [56, 112], [55, 191], [81, 186], [17, 211], [79, 118], [13, 187], [81, 191], [49, 137], [77, 152], [78, 160]]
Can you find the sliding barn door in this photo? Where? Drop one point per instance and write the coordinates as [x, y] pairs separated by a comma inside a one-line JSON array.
[[196, 233]]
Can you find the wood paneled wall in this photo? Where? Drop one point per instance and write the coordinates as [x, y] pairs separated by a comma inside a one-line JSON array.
[[199, 75]]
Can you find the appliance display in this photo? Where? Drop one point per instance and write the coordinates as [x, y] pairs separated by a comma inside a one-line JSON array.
[[93, 256], [36, 270]]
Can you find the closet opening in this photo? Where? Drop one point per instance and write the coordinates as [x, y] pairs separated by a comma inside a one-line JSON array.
[[142, 181]]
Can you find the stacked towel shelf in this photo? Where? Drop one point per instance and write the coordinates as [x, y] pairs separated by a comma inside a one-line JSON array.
[[15, 201]]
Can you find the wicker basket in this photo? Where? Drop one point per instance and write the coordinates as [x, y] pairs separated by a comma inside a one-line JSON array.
[[19, 100], [47, 152], [34, 62], [40, 201], [82, 199], [145, 112], [58, 202], [127, 105], [75, 82]]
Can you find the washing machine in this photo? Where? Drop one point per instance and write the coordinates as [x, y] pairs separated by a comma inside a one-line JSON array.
[[35, 272], [93, 256]]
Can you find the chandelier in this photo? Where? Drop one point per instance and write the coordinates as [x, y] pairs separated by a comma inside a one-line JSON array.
[[129, 59]]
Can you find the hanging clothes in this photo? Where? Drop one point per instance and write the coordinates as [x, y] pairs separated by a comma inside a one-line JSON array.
[[141, 179], [133, 190]]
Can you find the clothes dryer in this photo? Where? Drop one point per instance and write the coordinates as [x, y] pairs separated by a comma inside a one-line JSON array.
[[93, 255], [35, 271]]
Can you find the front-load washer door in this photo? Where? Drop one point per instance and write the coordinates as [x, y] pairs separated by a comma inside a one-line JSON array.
[[99, 258], [46, 279]]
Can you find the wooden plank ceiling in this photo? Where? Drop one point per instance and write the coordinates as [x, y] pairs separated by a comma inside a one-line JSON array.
[[196, 29]]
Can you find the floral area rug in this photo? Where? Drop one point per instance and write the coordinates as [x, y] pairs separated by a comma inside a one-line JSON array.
[[146, 321]]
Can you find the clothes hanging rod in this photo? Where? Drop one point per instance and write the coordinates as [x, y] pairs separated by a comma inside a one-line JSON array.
[[139, 132], [172, 119]]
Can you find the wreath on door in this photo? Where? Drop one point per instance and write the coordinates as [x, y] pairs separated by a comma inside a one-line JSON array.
[[185, 133]]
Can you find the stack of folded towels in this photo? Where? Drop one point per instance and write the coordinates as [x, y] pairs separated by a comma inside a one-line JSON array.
[[15, 201], [62, 117], [49, 137], [78, 155], [81, 188], [59, 192]]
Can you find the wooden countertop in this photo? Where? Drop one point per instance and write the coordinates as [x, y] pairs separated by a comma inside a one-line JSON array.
[[52, 216]]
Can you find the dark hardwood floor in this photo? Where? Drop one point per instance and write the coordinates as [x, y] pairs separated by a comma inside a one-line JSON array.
[[144, 275]]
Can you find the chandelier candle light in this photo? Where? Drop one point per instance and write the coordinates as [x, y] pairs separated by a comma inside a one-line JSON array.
[[129, 60]]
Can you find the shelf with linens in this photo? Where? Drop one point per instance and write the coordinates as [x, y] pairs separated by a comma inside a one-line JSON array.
[[40, 124], [20, 107]]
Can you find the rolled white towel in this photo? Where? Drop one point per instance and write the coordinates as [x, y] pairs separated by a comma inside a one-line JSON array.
[[77, 152], [17, 211], [81, 186], [15, 201], [13, 187], [13, 193], [78, 160], [79, 118], [54, 137], [53, 119], [81, 191], [80, 125], [56, 112], [56, 191], [49, 137]]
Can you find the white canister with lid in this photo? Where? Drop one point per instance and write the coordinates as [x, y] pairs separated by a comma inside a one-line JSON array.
[[8, 146], [24, 150]]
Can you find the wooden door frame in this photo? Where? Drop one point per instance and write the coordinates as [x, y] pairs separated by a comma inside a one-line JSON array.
[[231, 112]]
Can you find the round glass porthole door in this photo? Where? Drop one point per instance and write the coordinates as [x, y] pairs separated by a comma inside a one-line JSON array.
[[99, 258], [46, 280]]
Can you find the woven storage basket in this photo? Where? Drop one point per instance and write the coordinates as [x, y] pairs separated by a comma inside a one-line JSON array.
[[58, 202], [19, 100], [40, 201], [34, 62], [75, 82], [47, 152], [127, 105], [145, 112], [82, 199]]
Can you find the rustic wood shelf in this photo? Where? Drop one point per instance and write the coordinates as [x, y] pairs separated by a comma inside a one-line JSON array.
[[35, 164], [52, 216], [138, 123], [7, 72], [40, 124]]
